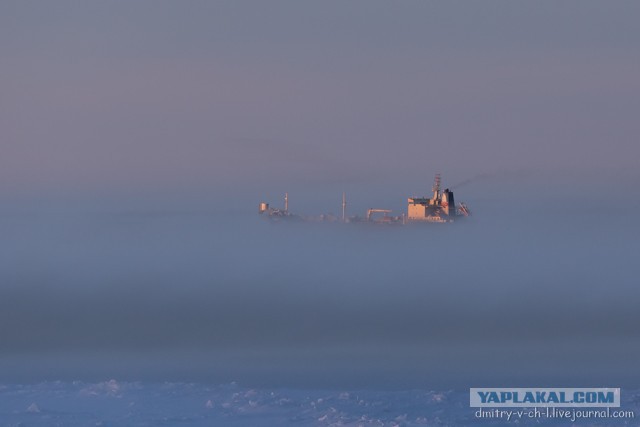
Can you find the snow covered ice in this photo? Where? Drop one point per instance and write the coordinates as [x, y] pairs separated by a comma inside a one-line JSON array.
[[113, 403]]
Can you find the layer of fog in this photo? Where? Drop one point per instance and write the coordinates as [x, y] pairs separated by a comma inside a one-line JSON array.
[[538, 287]]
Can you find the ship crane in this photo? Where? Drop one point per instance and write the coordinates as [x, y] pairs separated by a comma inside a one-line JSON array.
[[370, 212], [463, 210]]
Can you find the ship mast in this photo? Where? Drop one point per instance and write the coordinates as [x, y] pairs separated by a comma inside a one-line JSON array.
[[436, 187], [344, 207]]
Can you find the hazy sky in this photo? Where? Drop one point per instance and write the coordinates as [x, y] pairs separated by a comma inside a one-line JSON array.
[[139, 96], [535, 105]]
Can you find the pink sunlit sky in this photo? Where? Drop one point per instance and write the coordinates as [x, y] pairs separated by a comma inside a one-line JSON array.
[[147, 95]]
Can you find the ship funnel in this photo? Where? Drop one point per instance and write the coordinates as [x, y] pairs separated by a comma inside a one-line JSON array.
[[448, 203]]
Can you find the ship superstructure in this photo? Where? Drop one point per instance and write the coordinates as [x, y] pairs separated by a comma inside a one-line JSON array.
[[439, 208]]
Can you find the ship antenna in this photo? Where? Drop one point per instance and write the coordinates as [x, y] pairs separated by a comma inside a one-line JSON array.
[[436, 186]]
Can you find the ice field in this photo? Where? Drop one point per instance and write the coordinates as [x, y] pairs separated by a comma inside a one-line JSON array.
[[113, 403]]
